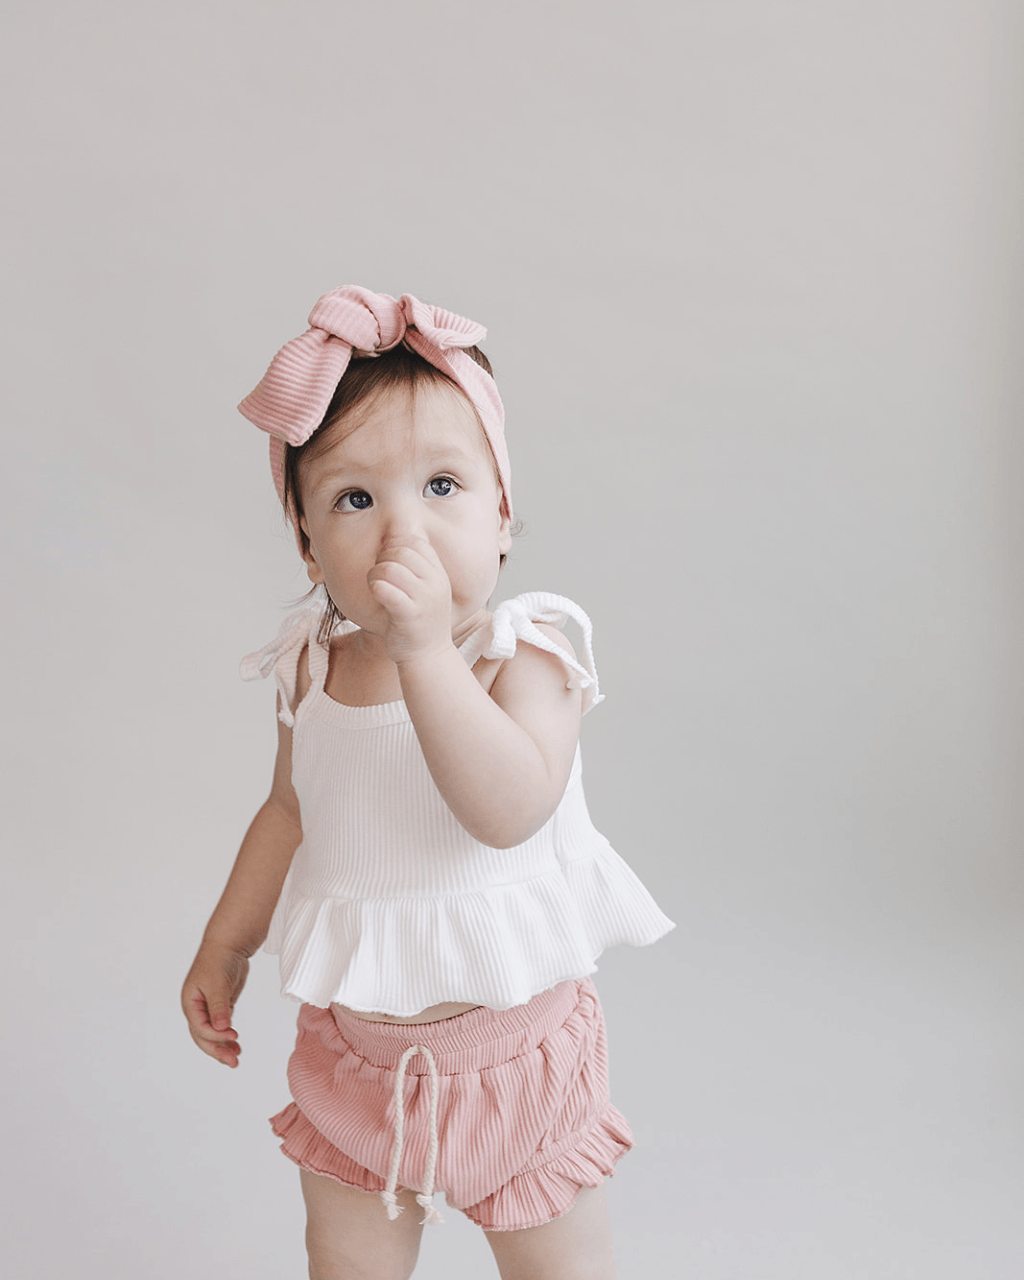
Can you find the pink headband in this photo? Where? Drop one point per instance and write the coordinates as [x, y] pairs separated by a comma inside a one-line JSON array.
[[293, 394]]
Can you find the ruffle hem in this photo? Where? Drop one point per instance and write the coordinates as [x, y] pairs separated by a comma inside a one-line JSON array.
[[545, 1190]]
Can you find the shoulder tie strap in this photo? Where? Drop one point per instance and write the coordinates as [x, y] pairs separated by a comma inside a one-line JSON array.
[[281, 656], [516, 619]]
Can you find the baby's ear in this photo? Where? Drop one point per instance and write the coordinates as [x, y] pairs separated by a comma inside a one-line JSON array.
[[313, 570], [504, 527]]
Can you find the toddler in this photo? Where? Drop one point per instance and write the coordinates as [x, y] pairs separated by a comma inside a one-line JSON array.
[[425, 865]]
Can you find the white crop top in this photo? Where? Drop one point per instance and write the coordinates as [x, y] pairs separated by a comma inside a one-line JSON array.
[[390, 905]]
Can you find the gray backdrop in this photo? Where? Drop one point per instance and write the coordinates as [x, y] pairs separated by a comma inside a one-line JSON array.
[[751, 276]]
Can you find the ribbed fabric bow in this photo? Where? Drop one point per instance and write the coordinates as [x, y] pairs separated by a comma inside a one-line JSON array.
[[292, 396], [516, 619]]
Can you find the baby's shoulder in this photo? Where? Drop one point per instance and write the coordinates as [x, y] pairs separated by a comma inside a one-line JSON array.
[[558, 636], [531, 654], [527, 660]]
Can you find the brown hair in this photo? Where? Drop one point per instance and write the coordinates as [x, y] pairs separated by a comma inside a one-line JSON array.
[[363, 380]]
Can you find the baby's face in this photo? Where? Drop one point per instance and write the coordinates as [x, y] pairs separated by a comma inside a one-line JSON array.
[[411, 466]]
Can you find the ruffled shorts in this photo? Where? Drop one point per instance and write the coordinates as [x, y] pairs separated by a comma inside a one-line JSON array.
[[521, 1114]]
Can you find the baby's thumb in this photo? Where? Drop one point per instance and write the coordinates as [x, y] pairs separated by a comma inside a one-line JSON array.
[[220, 1014]]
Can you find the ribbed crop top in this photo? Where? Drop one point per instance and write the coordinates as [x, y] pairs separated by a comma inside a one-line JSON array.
[[390, 905]]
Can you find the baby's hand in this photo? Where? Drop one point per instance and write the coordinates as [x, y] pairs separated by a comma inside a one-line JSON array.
[[208, 997], [410, 583]]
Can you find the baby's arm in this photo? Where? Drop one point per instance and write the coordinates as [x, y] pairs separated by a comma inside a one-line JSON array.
[[501, 758], [241, 918]]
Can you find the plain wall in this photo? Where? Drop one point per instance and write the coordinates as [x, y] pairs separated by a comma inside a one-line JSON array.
[[751, 274]]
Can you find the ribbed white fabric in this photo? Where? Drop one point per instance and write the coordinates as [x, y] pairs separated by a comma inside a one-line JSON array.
[[390, 905]]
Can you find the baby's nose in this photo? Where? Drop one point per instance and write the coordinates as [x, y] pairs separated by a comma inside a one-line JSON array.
[[402, 524]]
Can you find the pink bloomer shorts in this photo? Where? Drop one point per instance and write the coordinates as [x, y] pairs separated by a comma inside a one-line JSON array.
[[522, 1118]]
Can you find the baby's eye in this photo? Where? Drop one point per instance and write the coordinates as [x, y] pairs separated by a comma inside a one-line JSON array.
[[441, 486], [354, 500]]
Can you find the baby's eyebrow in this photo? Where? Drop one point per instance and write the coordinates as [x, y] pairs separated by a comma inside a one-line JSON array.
[[346, 475], [457, 451], [330, 478]]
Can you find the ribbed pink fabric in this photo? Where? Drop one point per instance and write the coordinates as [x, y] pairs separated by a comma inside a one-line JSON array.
[[292, 396], [524, 1117]]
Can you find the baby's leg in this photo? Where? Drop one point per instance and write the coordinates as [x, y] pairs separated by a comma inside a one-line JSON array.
[[349, 1235], [576, 1246]]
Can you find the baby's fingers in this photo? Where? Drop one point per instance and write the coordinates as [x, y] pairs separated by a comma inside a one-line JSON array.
[[408, 544], [414, 554], [392, 584], [226, 1051], [222, 1045], [209, 1024]]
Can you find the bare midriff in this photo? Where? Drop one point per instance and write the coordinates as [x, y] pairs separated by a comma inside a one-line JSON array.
[[435, 1013]]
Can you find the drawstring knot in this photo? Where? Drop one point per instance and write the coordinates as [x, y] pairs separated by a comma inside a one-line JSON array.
[[432, 1216], [425, 1199]]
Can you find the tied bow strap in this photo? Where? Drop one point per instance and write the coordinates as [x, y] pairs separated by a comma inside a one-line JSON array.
[[281, 656], [517, 619], [293, 395]]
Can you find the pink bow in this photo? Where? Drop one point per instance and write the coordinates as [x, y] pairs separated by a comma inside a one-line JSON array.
[[292, 397]]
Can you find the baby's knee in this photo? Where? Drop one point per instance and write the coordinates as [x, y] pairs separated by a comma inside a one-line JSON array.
[[350, 1237], [332, 1263], [332, 1256]]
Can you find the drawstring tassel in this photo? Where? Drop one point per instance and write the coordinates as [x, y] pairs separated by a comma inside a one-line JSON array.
[[425, 1199], [391, 1204], [431, 1217]]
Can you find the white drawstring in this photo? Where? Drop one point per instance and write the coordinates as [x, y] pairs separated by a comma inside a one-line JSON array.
[[426, 1198]]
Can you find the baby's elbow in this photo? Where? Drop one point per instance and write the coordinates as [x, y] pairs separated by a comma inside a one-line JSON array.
[[512, 830], [506, 816], [503, 839]]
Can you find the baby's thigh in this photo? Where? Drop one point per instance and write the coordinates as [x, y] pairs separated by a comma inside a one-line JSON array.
[[576, 1246], [349, 1235]]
